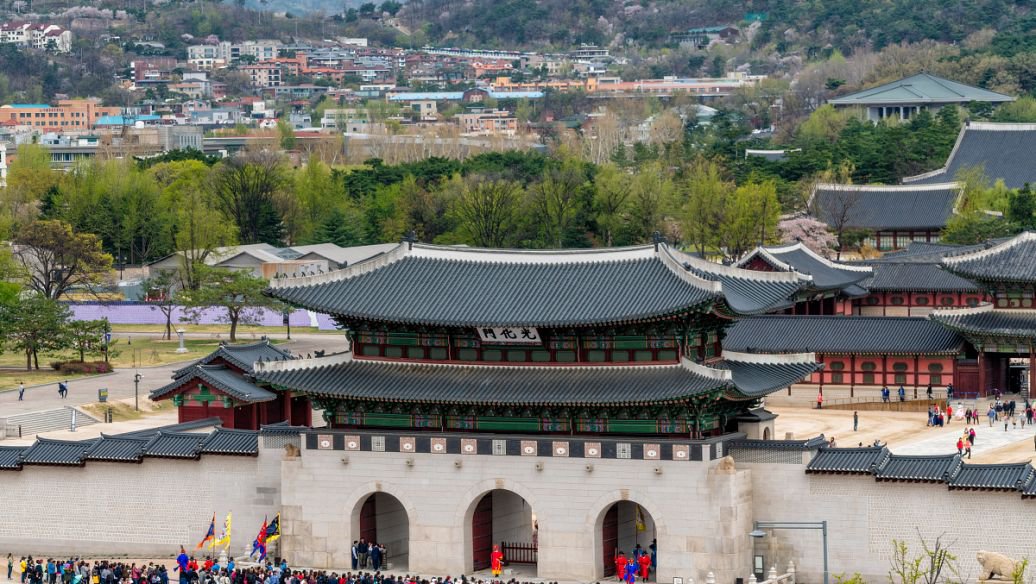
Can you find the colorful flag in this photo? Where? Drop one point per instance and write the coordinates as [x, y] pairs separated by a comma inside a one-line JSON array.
[[273, 531], [210, 534], [259, 545], [224, 539], [640, 520]]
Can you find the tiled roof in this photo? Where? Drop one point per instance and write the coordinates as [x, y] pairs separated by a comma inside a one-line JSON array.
[[848, 460], [920, 88], [227, 441], [220, 378], [826, 274], [984, 320], [455, 286], [922, 252], [918, 277], [1009, 261], [876, 335], [174, 445], [56, 452], [1001, 477], [1002, 151], [10, 457], [241, 356], [117, 449], [813, 443], [203, 423], [282, 428], [757, 379], [886, 207], [530, 385], [924, 468]]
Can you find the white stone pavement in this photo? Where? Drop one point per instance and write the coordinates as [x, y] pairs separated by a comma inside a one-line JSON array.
[[944, 440]]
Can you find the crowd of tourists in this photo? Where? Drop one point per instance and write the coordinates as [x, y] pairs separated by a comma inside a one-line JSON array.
[[76, 571]]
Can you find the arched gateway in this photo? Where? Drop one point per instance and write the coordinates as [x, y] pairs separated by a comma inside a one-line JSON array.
[[380, 519], [504, 519], [625, 529]]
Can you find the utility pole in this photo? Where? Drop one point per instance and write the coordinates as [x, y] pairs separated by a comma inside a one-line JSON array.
[[136, 391]]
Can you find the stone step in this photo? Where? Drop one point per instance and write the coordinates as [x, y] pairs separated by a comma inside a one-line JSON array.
[[32, 423]]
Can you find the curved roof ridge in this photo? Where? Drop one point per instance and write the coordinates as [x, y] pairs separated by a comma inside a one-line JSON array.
[[893, 187], [718, 270], [538, 256], [706, 371], [965, 311], [357, 269], [677, 267], [770, 251], [304, 363], [1001, 126], [770, 358], [1022, 237]]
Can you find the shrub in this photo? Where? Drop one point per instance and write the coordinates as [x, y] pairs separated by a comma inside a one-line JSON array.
[[82, 367]]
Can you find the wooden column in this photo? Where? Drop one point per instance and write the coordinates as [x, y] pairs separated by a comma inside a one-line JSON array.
[[852, 375], [885, 371], [917, 374], [287, 407], [981, 374], [1032, 369]]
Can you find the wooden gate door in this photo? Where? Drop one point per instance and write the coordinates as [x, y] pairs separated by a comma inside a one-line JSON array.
[[482, 533], [368, 523], [610, 539]]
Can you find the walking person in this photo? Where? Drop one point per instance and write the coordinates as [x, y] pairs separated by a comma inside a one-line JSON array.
[[10, 564], [820, 400], [21, 390], [960, 446], [992, 416], [902, 393], [856, 421]]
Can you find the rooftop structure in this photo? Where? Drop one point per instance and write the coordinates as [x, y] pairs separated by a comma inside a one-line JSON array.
[[905, 97], [1002, 151]]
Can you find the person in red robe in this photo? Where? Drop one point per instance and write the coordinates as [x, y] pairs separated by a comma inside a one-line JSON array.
[[496, 561], [620, 566], [645, 566]]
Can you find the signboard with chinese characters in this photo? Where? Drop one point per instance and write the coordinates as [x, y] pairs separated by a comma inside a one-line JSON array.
[[509, 335]]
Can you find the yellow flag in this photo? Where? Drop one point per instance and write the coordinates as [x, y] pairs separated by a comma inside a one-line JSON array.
[[640, 520], [224, 539]]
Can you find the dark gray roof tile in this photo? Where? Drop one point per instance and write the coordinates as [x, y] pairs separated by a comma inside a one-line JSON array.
[[228, 441], [174, 445], [241, 356], [201, 424], [984, 320], [998, 477], [453, 286], [56, 452], [757, 379], [922, 252], [1009, 261], [813, 443], [918, 277], [826, 274], [841, 335], [848, 460], [1002, 151], [117, 449], [221, 378], [921, 468], [884, 207], [10, 457]]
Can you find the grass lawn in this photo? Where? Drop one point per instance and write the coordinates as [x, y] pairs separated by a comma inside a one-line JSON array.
[[244, 333], [9, 378], [123, 410], [142, 352]]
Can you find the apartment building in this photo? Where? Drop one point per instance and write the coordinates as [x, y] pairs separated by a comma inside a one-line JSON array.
[[264, 74], [44, 37], [488, 122], [69, 114]]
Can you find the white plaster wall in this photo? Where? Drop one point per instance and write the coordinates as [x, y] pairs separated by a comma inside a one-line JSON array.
[[864, 516], [702, 517], [143, 510]]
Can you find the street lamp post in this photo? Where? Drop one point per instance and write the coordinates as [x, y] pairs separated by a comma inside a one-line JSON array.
[[136, 391], [820, 525]]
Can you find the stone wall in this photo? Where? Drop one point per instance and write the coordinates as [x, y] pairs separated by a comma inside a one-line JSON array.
[[702, 512], [139, 510], [864, 516]]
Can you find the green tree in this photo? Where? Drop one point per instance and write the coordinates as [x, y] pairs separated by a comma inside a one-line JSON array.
[[29, 177], [245, 188], [705, 192], [750, 217], [87, 336], [343, 226], [557, 200], [652, 198], [613, 190], [1021, 208], [317, 196], [238, 292], [286, 134], [487, 210], [55, 258], [36, 324]]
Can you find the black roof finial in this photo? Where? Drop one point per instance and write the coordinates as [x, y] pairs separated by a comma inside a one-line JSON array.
[[410, 238], [658, 239]]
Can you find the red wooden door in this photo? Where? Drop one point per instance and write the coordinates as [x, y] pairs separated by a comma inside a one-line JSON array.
[[610, 539], [482, 533], [368, 525]]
